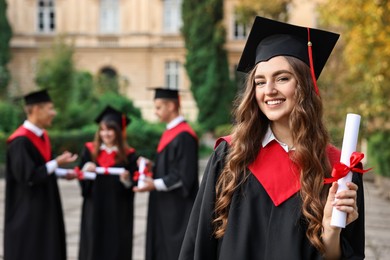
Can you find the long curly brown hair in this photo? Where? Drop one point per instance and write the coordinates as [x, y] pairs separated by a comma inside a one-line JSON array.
[[310, 138], [119, 141]]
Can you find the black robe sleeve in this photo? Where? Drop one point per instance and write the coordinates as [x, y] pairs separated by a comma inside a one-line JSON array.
[[85, 185], [199, 242], [353, 235], [26, 163], [183, 163]]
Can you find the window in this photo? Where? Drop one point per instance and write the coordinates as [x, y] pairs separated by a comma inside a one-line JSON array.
[[46, 16], [172, 16], [109, 16], [172, 69], [239, 30]]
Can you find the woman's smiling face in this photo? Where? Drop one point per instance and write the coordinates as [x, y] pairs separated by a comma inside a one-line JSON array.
[[275, 89]]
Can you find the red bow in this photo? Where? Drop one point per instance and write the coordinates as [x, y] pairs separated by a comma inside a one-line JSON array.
[[79, 173], [341, 170], [146, 172]]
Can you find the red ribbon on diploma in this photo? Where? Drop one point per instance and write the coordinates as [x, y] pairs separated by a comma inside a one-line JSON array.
[[146, 172], [79, 173], [341, 170]]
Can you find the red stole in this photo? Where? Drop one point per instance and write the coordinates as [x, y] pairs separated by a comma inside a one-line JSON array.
[[170, 134], [277, 173], [43, 146], [105, 159]]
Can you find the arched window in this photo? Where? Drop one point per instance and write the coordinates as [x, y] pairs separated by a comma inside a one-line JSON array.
[[108, 80]]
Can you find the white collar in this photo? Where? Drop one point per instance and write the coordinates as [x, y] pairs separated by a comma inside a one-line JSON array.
[[108, 149], [269, 136], [175, 122], [33, 128]]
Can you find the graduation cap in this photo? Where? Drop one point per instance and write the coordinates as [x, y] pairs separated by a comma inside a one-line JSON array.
[[111, 114], [166, 93], [36, 97], [270, 38]]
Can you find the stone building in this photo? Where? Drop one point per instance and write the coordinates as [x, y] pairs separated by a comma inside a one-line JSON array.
[[139, 41]]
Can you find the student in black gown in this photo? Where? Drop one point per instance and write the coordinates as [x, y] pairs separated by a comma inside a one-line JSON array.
[[33, 225], [263, 195], [175, 182], [108, 201]]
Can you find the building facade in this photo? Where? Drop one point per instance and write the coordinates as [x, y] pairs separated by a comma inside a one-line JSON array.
[[139, 41]]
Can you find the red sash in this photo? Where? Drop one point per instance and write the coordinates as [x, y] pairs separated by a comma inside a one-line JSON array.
[[105, 159], [43, 146], [277, 173], [170, 134]]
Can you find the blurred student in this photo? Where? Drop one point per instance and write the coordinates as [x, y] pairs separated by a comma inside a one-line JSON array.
[[175, 183], [108, 201], [34, 226]]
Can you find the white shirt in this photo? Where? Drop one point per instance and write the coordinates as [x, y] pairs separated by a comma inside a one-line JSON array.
[[269, 136], [52, 165], [159, 183]]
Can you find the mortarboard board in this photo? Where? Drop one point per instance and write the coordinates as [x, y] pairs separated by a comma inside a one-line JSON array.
[[166, 93], [270, 38], [111, 114], [36, 97]]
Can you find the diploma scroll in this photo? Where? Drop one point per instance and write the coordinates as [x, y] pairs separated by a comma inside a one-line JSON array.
[[141, 170], [351, 133], [61, 172], [110, 170]]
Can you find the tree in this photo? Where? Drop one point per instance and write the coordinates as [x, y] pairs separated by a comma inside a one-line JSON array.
[[365, 36], [5, 54], [276, 9], [55, 72], [206, 61]]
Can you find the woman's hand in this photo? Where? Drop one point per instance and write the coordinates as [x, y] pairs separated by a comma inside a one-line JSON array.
[[89, 167], [125, 179], [344, 201], [149, 186]]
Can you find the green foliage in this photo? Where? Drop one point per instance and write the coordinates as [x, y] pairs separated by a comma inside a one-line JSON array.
[[223, 130], [119, 102], [276, 9], [144, 137], [5, 53], [379, 152], [105, 83], [206, 61], [55, 72], [362, 86], [11, 117]]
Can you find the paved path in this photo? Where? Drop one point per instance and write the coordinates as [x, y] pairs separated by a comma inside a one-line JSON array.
[[377, 221]]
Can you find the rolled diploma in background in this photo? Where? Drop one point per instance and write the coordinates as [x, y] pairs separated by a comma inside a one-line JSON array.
[[351, 133], [141, 169], [110, 170], [61, 172]]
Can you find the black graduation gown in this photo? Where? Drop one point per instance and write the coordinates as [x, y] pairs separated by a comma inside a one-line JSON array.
[[107, 214], [33, 225], [169, 211], [257, 229]]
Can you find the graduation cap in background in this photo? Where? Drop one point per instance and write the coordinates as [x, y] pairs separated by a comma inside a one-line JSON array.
[[36, 97], [165, 93], [270, 38], [111, 114]]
